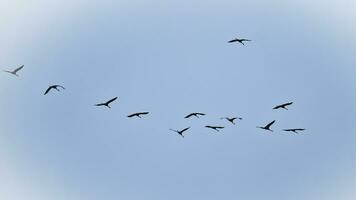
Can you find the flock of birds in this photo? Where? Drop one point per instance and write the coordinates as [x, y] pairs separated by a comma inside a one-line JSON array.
[[195, 114]]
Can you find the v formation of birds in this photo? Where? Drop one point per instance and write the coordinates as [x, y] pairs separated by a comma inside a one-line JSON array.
[[181, 132]]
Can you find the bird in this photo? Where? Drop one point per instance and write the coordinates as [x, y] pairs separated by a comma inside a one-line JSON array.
[[138, 114], [106, 103], [53, 87], [194, 114], [239, 40], [14, 72], [180, 132], [267, 127], [283, 106], [216, 128], [295, 130], [232, 119]]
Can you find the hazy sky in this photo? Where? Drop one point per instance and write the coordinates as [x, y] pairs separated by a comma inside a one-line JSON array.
[[171, 58]]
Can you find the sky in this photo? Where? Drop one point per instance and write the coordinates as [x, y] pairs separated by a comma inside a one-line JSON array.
[[172, 58]]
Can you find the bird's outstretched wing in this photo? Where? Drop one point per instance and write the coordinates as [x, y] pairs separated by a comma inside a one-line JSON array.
[[174, 130], [111, 100], [143, 113], [182, 131], [60, 87], [18, 69], [270, 124], [132, 115], [191, 114], [287, 104], [234, 40], [300, 129], [48, 89]]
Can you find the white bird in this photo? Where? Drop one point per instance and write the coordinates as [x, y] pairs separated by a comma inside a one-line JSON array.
[[241, 41], [53, 87], [294, 130], [14, 72], [232, 119], [180, 132], [268, 126], [106, 103]]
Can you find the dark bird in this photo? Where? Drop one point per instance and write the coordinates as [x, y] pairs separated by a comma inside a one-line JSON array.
[[181, 131], [215, 127], [283, 105], [194, 114], [232, 119], [106, 103], [138, 114], [15, 71], [267, 127], [294, 130], [239, 40], [53, 87]]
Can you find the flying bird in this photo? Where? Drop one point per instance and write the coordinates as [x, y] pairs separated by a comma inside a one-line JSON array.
[[232, 119], [138, 114], [106, 103], [283, 105], [194, 114], [267, 127], [180, 132], [294, 130], [239, 40], [53, 87], [216, 128], [14, 72]]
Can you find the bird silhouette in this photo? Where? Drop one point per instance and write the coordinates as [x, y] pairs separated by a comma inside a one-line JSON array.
[[283, 106], [138, 114], [106, 103], [239, 40], [267, 127], [180, 132], [196, 114], [216, 128], [14, 72], [53, 87], [294, 130], [232, 119]]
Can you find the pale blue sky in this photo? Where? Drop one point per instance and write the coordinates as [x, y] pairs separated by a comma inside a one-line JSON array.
[[172, 58]]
